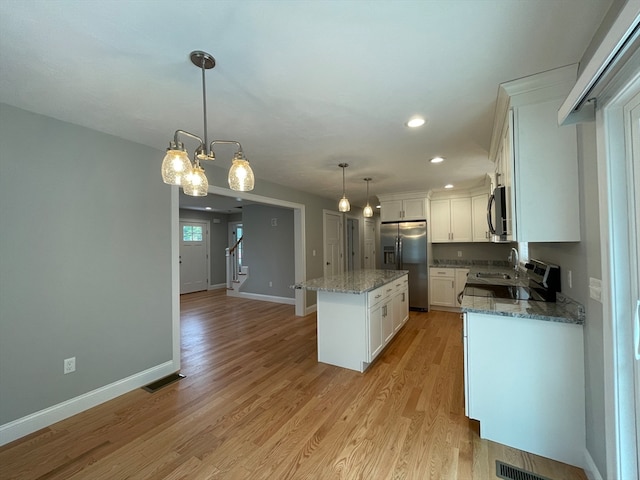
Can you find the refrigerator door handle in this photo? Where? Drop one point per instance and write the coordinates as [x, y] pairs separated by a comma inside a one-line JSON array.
[[399, 253]]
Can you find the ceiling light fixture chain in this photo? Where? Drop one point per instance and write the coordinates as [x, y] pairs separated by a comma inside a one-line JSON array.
[[177, 169], [343, 204]]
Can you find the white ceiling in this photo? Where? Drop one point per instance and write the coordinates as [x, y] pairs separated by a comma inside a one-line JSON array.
[[303, 85]]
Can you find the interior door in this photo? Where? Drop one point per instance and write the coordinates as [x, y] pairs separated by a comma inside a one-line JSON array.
[[193, 256], [332, 231]]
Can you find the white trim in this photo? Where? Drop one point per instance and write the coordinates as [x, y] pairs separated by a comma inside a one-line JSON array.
[[175, 276], [265, 298], [614, 245], [603, 58], [312, 309], [590, 468], [217, 286], [24, 426]]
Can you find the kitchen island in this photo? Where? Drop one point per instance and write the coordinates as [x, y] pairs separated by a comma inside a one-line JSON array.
[[358, 313], [524, 367]]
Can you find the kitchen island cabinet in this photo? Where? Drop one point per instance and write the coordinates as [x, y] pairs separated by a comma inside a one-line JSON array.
[[358, 314]]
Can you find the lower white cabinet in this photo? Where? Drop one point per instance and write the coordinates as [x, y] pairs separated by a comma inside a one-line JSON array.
[[445, 284], [524, 382]]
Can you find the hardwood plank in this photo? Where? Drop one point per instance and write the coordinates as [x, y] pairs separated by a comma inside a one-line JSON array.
[[256, 404]]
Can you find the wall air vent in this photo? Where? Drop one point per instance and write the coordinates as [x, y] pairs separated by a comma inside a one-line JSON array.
[[509, 472]]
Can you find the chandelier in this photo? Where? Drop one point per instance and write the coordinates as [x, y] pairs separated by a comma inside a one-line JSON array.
[[177, 169]]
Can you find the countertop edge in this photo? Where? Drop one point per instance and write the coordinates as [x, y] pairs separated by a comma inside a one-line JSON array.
[[372, 279]]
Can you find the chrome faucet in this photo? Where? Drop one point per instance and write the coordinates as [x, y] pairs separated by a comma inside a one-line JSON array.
[[513, 257]]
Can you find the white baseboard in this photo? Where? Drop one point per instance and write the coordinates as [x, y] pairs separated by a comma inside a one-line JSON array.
[[264, 298], [217, 286], [311, 309], [590, 467], [24, 426]]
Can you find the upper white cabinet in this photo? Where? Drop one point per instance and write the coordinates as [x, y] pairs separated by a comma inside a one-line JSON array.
[[406, 207], [479, 222], [537, 159], [451, 220]]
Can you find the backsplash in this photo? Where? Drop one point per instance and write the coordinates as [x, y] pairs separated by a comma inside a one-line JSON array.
[[471, 252], [458, 262]]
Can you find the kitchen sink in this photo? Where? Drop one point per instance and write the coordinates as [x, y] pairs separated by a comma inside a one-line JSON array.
[[504, 276]]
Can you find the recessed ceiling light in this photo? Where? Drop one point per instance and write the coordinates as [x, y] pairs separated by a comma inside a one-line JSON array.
[[448, 186], [377, 206], [437, 160], [208, 208], [415, 122]]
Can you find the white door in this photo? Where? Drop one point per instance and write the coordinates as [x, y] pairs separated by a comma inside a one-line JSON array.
[[332, 231], [193, 256], [369, 243], [632, 113]]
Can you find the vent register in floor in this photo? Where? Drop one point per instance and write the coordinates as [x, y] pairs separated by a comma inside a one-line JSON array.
[[509, 472]]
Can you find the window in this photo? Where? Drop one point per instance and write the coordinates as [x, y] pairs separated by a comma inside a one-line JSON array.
[[191, 233]]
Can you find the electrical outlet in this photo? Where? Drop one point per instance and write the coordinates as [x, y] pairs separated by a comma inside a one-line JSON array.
[[69, 365], [570, 279], [271, 284], [459, 253]]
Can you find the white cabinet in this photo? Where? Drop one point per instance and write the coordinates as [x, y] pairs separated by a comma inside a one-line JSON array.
[[479, 218], [536, 159], [451, 220], [524, 382], [444, 286], [401, 209], [401, 303]]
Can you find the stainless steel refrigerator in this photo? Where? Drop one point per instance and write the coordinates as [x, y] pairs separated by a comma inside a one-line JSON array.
[[404, 247]]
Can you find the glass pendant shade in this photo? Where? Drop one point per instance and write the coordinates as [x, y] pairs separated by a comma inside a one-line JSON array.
[[196, 183], [343, 204], [241, 177], [175, 166], [368, 211]]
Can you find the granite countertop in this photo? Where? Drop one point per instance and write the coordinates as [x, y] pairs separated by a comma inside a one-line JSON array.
[[563, 310], [358, 281]]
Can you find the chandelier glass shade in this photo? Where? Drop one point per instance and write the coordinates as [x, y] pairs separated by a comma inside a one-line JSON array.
[[367, 211], [177, 169], [343, 204]]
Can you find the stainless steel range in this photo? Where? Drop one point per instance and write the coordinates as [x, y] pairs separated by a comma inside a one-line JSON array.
[[544, 283]]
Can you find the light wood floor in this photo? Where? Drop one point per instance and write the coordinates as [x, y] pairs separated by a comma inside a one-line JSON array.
[[256, 404]]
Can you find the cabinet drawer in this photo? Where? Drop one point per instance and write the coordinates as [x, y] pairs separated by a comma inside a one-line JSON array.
[[376, 296], [442, 272]]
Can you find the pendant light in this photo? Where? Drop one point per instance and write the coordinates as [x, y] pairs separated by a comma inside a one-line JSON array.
[[343, 204], [368, 211], [177, 169]]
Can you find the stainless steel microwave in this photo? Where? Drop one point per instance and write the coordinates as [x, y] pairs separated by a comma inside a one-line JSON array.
[[497, 214]]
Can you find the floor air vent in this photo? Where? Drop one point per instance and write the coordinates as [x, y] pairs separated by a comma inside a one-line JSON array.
[[509, 472], [158, 384]]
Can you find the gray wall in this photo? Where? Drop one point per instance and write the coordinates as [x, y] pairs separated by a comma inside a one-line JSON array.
[[268, 250], [583, 259], [84, 261], [218, 241]]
